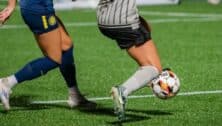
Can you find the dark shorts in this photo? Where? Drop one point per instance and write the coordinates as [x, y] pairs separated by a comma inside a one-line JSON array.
[[128, 37], [39, 23]]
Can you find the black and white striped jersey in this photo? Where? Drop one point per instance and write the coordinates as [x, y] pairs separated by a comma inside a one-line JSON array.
[[118, 13]]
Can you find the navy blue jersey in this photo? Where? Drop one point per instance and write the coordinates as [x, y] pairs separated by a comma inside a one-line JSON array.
[[37, 6]]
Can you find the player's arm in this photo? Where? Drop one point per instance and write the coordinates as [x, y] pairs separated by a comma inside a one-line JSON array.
[[5, 13]]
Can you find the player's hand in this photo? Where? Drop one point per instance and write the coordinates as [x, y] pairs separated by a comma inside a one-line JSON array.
[[5, 14]]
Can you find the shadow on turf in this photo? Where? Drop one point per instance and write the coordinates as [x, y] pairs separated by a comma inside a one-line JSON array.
[[23, 103], [109, 112], [129, 118], [135, 117], [151, 112]]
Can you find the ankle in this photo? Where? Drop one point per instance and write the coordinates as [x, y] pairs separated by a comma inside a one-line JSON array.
[[9, 81], [73, 91]]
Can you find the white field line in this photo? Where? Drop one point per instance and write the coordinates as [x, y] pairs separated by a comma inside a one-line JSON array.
[[155, 21], [181, 14], [134, 97], [199, 17]]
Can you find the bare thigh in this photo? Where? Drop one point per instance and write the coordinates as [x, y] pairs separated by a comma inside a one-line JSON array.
[[54, 42], [145, 54], [50, 44], [66, 40]]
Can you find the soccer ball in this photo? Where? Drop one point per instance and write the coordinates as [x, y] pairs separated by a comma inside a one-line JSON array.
[[214, 2], [166, 85]]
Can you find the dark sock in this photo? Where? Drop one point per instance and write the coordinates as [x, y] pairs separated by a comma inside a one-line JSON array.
[[67, 68], [35, 69]]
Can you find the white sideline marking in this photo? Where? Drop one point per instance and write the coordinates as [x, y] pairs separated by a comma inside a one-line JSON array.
[[180, 14], [194, 17], [155, 21], [132, 97]]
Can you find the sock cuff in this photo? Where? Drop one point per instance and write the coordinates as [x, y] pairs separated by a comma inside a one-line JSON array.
[[150, 67], [67, 57], [140, 79], [49, 60], [12, 81], [68, 50]]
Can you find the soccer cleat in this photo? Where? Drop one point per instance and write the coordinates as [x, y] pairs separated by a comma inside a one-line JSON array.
[[4, 95], [119, 102], [78, 100]]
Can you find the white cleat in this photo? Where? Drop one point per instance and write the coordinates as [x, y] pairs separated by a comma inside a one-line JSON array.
[[73, 100], [119, 102], [4, 95], [77, 100]]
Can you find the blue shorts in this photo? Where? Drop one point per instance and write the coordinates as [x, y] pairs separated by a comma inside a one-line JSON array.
[[39, 23]]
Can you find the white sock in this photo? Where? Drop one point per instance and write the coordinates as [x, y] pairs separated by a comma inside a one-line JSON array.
[[74, 91], [10, 81], [139, 79]]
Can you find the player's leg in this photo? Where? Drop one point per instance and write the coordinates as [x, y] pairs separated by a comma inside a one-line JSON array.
[[146, 55], [49, 41], [46, 31], [144, 52], [50, 45], [68, 70], [147, 58], [30, 71]]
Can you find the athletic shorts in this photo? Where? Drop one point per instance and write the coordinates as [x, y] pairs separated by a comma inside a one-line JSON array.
[[39, 23], [128, 37]]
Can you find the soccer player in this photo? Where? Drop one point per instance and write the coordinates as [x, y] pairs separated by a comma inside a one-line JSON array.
[[55, 44], [119, 20]]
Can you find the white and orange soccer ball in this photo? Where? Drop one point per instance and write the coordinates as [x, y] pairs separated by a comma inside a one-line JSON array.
[[166, 85]]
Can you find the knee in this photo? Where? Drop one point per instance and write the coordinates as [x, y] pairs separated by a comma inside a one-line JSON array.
[[66, 43]]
